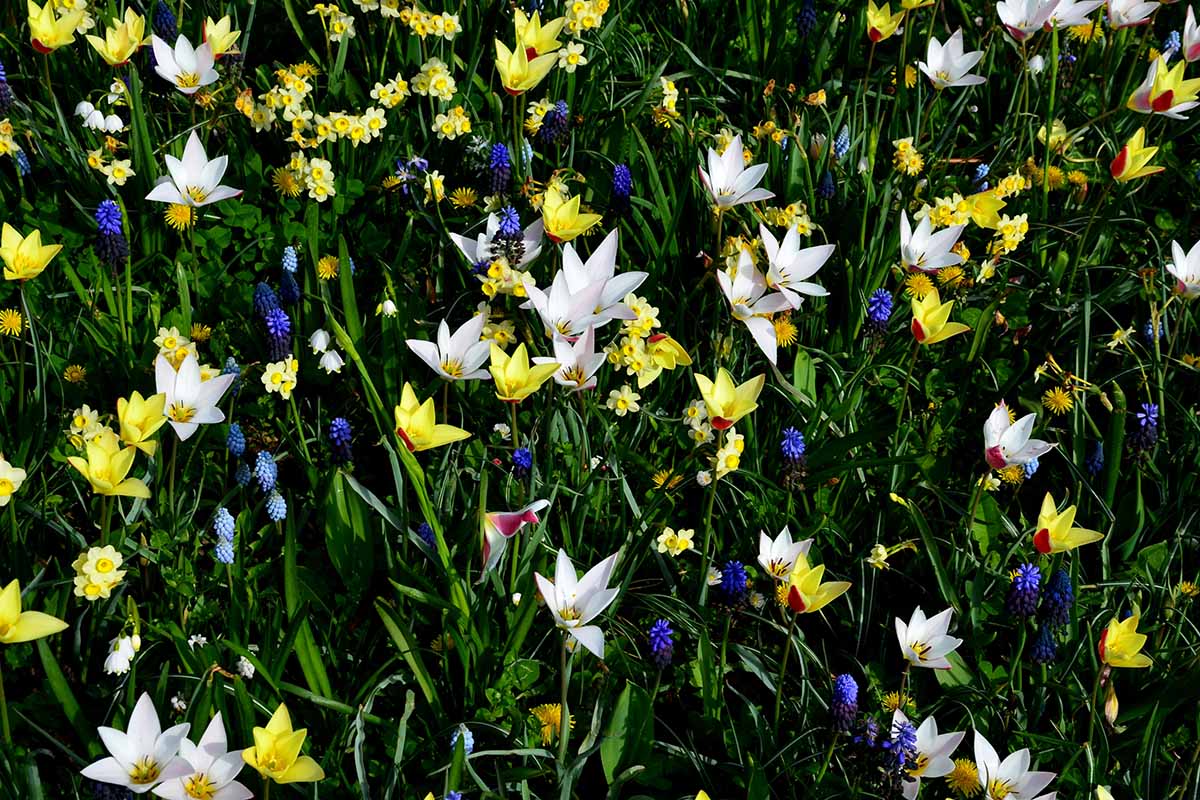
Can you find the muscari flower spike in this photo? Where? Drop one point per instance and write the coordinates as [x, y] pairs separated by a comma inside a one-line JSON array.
[[339, 440], [1023, 593], [243, 475], [499, 169], [110, 245], [522, 461], [792, 444], [279, 333], [1057, 600], [289, 261], [733, 582], [224, 525], [622, 188], [844, 705], [1044, 650], [662, 646], [264, 299], [265, 471], [425, 532], [235, 440], [276, 507]]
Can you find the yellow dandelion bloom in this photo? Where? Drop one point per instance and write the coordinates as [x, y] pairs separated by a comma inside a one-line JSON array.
[[1056, 178], [1087, 32], [1189, 589], [550, 717], [895, 701], [327, 268], [964, 778], [201, 332], [463, 198], [179, 216], [785, 330], [1057, 401], [1012, 474], [11, 322], [74, 374], [950, 276], [390, 183], [910, 76], [918, 285], [304, 70], [284, 181]]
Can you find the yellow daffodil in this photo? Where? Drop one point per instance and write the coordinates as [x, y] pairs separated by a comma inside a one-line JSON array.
[[24, 256], [11, 479], [417, 425], [220, 38], [1121, 644], [140, 418], [515, 379], [18, 626], [107, 466], [984, 209], [276, 752], [562, 218], [121, 39], [930, 319], [806, 593], [727, 403], [517, 73], [47, 30], [881, 22], [536, 37], [1054, 532], [1134, 159]]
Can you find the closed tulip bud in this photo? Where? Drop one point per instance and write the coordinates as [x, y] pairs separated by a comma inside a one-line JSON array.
[[1110, 705]]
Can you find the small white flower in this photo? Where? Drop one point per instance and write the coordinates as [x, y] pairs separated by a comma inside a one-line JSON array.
[[178, 704], [120, 656], [516, 598], [245, 668], [924, 642], [319, 341], [757, 600], [197, 640], [191, 400], [332, 362], [596, 461], [194, 180], [502, 430], [704, 477], [387, 308], [714, 576], [575, 601]]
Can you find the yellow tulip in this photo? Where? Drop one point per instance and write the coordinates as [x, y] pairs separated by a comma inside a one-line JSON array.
[[930, 319], [18, 626], [417, 425], [1134, 159], [24, 256], [107, 466], [563, 221], [121, 39], [665, 353], [47, 30], [220, 38], [533, 35], [881, 22], [727, 403], [276, 752], [140, 419], [984, 209], [1121, 645], [806, 593], [517, 73], [1054, 532], [515, 379]]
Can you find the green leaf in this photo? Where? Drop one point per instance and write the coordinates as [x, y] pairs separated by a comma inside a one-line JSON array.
[[348, 536], [629, 733]]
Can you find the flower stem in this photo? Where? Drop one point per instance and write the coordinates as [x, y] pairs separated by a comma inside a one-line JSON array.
[[787, 651], [105, 519], [564, 717], [4, 709], [299, 428], [516, 441], [828, 758], [708, 532], [266, 789], [907, 377], [1095, 700], [518, 151]]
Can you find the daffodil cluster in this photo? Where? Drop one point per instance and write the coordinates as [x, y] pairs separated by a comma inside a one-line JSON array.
[[97, 572]]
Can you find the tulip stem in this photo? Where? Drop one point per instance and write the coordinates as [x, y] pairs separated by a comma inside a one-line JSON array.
[[299, 428], [787, 651], [105, 519], [828, 758], [516, 441], [4, 709], [266, 788], [708, 531], [1050, 121], [907, 377], [518, 152], [564, 716], [1095, 700]]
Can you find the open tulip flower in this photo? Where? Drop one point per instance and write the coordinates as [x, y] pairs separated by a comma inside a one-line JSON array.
[[1007, 443], [1054, 532], [931, 319], [18, 626], [194, 180], [1184, 267], [518, 72], [790, 266], [1121, 644], [750, 303], [806, 593], [1164, 91], [947, 65], [727, 403], [1010, 778], [922, 249], [515, 379], [47, 30], [881, 22], [456, 357], [924, 641], [188, 68], [24, 256], [276, 752], [729, 181], [500, 526], [575, 601], [144, 755], [107, 466], [562, 219], [417, 425], [933, 752], [1133, 160], [535, 35], [214, 769], [779, 555]]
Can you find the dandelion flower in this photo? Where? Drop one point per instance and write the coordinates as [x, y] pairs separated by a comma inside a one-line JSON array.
[[179, 216], [74, 373], [1057, 401], [11, 322], [550, 717]]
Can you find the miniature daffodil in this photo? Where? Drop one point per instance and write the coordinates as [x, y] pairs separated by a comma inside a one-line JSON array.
[[1121, 644], [806, 592], [18, 626], [1133, 161], [515, 379], [727, 403], [276, 752], [931, 316], [140, 418], [562, 218], [417, 426], [24, 256], [107, 465], [1054, 532]]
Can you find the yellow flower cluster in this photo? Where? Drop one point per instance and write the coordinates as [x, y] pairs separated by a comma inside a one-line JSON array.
[[288, 100], [1009, 234], [392, 93], [793, 215], [8, 145], [453, 124], [500, 278], [676, 542], [907, 158], [338, 25], [97, 573], [947, 211], [174, 346], [435, 80], [1011, 186], [584, 15], [537, 113], [281, 377], [315, 173], [497, 329], [422, 23], [85, 426], [666, 110]]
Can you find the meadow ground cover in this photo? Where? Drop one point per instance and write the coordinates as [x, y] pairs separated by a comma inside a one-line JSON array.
[[676, 399]]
